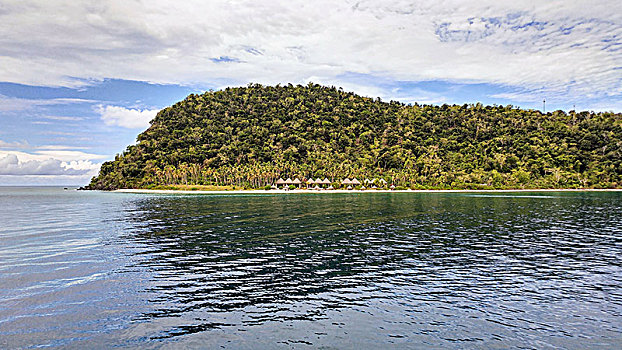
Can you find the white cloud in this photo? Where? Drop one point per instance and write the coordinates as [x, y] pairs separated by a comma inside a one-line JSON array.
[[16, 144], [66, 155], [83, 165], [49, 165], [45, 154], [567, 49], [63, 148], [127, 118], [11, 165], [13, 104], [40, 153], [62, 118]]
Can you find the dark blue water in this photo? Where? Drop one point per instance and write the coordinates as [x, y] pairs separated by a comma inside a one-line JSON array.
[[340, 271]]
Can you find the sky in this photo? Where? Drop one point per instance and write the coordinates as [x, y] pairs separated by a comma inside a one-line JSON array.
[[79, 80]]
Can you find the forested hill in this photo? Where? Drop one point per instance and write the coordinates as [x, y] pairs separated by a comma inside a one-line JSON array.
[[252, 135]]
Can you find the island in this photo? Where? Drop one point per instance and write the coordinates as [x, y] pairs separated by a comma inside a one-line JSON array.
[[288, 137]]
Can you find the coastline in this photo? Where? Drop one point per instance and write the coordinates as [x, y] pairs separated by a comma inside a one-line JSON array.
[[264, 192]]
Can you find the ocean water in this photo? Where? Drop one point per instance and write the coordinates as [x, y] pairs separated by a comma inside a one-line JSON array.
[[341, 271]]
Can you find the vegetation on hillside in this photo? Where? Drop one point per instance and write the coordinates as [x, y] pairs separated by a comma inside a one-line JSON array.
[[250, 136]]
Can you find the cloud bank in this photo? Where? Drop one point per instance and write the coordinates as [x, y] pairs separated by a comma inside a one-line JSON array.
[[13, 104], [16, 144], [10, 165], [127, 118], [562, 49], [47, 165]]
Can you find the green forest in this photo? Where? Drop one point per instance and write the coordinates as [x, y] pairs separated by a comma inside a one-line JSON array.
[[251, 136]]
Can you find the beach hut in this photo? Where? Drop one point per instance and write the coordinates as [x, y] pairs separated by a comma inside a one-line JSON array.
[[392, 187], [311, 181], [296, 182], [355, 182], [280, 181], [322, 183], [346, 182], [367, 181], [287, 183], [382, 182]]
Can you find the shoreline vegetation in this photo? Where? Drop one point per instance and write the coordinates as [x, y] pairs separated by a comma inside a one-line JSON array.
[[182, 189], [306, 191], [341, 191], [269, 190], [250, 137]]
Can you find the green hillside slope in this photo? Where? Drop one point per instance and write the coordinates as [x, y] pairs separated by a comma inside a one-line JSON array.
[[253, 135]]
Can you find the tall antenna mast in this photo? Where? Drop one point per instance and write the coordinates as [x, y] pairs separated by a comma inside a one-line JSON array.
[[544, 106]]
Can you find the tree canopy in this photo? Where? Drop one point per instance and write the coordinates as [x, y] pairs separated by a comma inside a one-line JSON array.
[[250, 136]]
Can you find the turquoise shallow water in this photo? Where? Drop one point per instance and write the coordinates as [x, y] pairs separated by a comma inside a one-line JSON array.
[[342, 271]]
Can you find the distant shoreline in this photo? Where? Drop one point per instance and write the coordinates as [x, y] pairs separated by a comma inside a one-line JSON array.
[[260, 192]]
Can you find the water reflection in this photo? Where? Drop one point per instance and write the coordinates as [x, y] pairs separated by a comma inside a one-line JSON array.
[[389, 268], [352, 271]]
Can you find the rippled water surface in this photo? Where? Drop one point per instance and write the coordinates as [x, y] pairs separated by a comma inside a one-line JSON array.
[[344, 271]]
